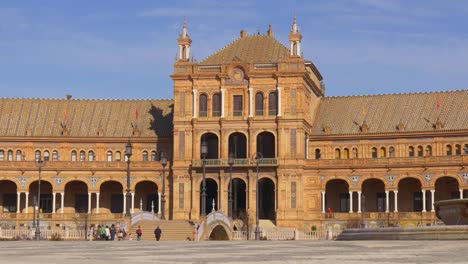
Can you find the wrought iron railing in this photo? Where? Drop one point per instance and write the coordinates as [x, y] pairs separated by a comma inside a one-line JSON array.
[[237, 162]]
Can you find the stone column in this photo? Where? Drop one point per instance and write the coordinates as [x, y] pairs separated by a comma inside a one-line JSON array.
[[159, 203], [279, 100], [124, 203], [396, 200], [461, 193], [62, 204], [250, 102], [424, 200], [222, 101], [133, 203], [18, 202], [53, 202], [194, 103], [26, 202], [387, 202], [306, 147], [350, 202], [359, 201], [432, 200], [323, 202], [97, 203], [89, 202]]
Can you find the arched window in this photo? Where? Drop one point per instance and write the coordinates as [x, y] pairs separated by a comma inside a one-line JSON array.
[[346, 153], [259, 104], [428, 150], [273, 104], [383, 152], [109, 155], [91, 156], [153, 156], [10, 155], [374, 153], [37, 155], [391, 152], [355, 153], [337, 153], [73, 155], [466, 149], [46, 155], [184, 53], [145, 155], [216, 104], [203, 105], [55, 155], [420, 151], [82, 155], [118, 156], [448, 149], [2, 154], [19, 155], [318, 155], [458, 150], [411, 151]]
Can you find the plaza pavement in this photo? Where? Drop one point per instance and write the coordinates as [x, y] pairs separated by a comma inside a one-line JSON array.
[[330, 252]]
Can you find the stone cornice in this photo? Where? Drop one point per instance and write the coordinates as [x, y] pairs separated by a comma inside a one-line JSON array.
[[396, 135]]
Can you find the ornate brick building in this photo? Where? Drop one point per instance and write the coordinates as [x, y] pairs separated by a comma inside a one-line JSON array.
[[311, 159]]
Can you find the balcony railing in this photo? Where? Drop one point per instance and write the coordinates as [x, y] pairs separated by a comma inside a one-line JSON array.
[[237, 162], [79, 165]]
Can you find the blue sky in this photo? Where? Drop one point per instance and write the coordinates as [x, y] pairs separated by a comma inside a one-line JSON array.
[[126, 49]]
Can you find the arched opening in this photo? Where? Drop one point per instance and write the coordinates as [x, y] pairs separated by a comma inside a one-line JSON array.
[[10, 155], [318, 155], [184, 53], [374, 193], [374, 153], [111, 197], [411, 151], [448, 150], [19, 155], [239, 199], [216, 104], [146, 195], [409, 195], [76, 197], [259, 104], [203, 110], [391, 152], [266, 197], [212, 143], [446, 188], [73, 155], [218, 233], [145, 155], [346, 153], [428, 150], [45, 203], [211, 195], [91, 155], [420, 151], [337, 153], [8, 196], [355, 153], [238, 145], [337, 196], [458, 151], [465, 149], [266, 144], [383, 152], [273, 104]]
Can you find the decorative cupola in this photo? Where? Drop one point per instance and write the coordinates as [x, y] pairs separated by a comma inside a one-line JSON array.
[[185, 42], [295, 39], [270, 31]]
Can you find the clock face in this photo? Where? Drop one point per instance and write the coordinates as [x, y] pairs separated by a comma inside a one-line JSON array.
[[237, 74]]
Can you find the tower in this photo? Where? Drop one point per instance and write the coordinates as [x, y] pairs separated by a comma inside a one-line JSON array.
[[185, 42], [295, 39]]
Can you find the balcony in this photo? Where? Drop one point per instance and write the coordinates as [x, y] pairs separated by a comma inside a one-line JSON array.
[[78, 165], [267, 162]]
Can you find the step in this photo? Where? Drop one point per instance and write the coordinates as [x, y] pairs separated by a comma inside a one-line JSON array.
[[177, 230]]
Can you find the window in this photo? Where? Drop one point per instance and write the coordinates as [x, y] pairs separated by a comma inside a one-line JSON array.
[[466, 149], [344, 202], [82, 156], [153, 156], [428, 150], [355, 153], [337, 153], [259, 104], [457, 150], [9, 202], [203, 105], [10, 155], [73, 155], [2, 154], [346, 153], [216, 104], [118, 156], [391, 152], [411, 151], [448, 149], [55, 155], [19, 155], [420, 151], [273, 104], [237, 105], [383, 152], [46, 155], [374, 153], [381, 202], [37, 155], [317, 154], [145, 155], [109, 155], [91, 156]]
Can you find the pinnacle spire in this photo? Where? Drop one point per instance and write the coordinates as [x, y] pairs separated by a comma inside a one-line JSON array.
[[184, 33], [294, 28]]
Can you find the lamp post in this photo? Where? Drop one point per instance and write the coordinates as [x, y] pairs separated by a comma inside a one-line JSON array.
[[363, 202], [258, 157], [34, 211], [204, 151], [230, 162], [128, 196], [163, 195], [40, 162]]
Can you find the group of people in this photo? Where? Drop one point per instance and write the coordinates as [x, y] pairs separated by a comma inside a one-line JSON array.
[[104, 232]]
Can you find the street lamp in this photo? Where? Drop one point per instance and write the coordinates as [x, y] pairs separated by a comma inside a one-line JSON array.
[[40, 162], [258, 157], [163, 195], [34, 211], [204, 151], [128, 196], [363, 202], [230, 162]]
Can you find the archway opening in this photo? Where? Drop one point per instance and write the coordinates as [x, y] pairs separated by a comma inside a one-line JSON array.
[[266, 144], [45, 203], [239, 199], [374, 193], [266, 196], [238, 145], [212, 143], [409, 195], [146, 196], [218, 233], [8, 197], [446, 188], [76, 197], [111, 197], [337, 196], [211, 195]]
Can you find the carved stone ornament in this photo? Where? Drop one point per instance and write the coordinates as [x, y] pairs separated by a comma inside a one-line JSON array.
[[59, 181], [23, 181], [464, 176], [355, 179], [428, 178], [93, 181], [237, 76], [391, 179], [322, 178]]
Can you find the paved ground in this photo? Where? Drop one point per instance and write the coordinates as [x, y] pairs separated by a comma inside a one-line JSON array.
[[235, 252]]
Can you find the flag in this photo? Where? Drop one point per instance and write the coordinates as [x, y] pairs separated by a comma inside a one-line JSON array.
[[438, 105], [136, 113]]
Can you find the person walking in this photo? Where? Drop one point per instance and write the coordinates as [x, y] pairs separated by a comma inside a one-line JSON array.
[[107, 233], [157, 233], [112, 232], [139, 232]]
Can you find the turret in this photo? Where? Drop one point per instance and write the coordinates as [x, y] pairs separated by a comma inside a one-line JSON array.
[[185, 42], [295, 39]]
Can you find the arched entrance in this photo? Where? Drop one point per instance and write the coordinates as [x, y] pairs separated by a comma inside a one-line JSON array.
[[76, 197], [409, 195], [146, 192], [337, 196], [8, 197], [211, 194], [239, 197], [212, 143], [266, 144], [446, 188], [111, 197], [218, 233], [266, 197], [374, 193], [238, 145], [45, 203]]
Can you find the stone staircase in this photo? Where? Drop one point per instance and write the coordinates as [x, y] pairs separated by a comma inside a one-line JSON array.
[[172, 230], [266, 224]]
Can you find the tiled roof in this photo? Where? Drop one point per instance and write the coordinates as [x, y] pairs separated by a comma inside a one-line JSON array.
[[43, 117], [383, 113], [250, 49]]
